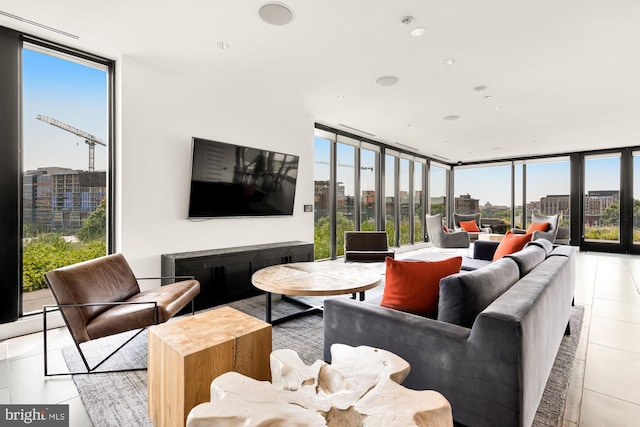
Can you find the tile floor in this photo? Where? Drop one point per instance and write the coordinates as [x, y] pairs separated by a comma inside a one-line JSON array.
[[604, 387]]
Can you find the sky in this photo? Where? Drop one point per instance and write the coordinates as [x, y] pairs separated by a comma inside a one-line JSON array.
[[73, 93]]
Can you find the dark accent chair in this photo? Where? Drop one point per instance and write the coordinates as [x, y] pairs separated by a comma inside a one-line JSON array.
[[473, 235], [366, 246], [550, 234], [442, 240], [101, 297]]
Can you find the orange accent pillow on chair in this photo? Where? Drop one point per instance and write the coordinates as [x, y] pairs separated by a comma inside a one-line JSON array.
[[469, 226], [538, 226], [414, 286], [511, 243]]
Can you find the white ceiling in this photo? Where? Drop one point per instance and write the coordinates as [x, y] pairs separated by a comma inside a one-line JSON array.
[[566, 74]]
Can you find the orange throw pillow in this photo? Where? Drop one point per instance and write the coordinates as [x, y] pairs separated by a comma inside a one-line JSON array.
[[469, 226], [414, 286], [538, 226], [511, 243]]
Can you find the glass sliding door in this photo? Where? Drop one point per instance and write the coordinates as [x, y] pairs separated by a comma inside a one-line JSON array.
[[65, 166], [322, 197], [345, 183], [601, 199]]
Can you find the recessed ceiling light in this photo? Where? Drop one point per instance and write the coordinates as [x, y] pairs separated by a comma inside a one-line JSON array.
[[418, 32], [407, 20], [340, 96], [488, 97], [498, 108], [387, 81], [223, 45], [449, 61], [276, 14], [450, 118], [498, 148], [480, 89]]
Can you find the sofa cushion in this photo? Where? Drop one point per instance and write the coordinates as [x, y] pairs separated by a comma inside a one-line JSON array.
[[469, 226], [510, 244], [464, 296], [412, 286], [543, 243], [528, 258]]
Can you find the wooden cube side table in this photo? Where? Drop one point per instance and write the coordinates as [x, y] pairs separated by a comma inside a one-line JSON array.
[[186, 354]]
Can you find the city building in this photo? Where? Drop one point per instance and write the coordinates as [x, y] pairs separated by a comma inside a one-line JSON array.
[[59, 199], [465, 204]]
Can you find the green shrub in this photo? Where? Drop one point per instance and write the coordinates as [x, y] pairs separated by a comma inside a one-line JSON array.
[[49, 251]]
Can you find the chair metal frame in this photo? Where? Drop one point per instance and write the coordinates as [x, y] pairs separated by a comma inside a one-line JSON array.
[[92, 370]]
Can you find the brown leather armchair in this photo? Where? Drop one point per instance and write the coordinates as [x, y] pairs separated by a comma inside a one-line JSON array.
[[101, 297], [366, 246]]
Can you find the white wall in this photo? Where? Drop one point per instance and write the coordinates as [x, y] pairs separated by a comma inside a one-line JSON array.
[[158, 111]]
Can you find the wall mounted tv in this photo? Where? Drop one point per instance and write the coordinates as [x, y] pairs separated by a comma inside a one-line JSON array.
[[232, 180]]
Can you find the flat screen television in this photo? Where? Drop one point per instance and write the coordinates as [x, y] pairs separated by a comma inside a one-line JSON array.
[[230, 180]]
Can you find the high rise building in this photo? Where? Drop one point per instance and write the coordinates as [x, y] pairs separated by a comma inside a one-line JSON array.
[[59, 199]]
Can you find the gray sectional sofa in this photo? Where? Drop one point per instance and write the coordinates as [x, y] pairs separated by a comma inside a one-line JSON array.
[[492, 346]]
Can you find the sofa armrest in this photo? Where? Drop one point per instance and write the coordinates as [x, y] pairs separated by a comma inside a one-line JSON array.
[[518, 231], [484, 249]]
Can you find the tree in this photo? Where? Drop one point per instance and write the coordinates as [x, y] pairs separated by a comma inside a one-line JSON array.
[[611, 215], [94, 227], [322, 235]]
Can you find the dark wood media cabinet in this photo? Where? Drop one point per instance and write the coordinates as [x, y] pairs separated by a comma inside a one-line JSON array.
[[225, 274]]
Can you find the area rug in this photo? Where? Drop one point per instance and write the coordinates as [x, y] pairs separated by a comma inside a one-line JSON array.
[[120, 399]]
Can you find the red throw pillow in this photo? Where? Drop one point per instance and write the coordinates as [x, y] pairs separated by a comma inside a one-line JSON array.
[[469, 226], [538, 226], [444, 228], [511, 243], [414, 286]]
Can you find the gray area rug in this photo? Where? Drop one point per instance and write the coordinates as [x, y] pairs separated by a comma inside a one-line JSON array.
[[120, 399]]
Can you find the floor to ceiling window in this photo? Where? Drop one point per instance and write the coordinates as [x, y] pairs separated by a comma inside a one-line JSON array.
[[548, 191], [390, 198], [485, 190], [404, 196], [438, 190], [322, 197], [418, 202], [65, 127], [636, 198], [518, 195], [345, 196], [601, 202], [368, 196]]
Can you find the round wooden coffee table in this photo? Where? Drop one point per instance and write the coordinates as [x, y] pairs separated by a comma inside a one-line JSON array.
[[313, 279]]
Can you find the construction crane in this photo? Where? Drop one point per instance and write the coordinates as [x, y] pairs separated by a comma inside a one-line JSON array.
[[90, 140]]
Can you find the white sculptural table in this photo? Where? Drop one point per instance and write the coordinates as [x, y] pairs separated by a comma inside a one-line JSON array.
[[360, 388]]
